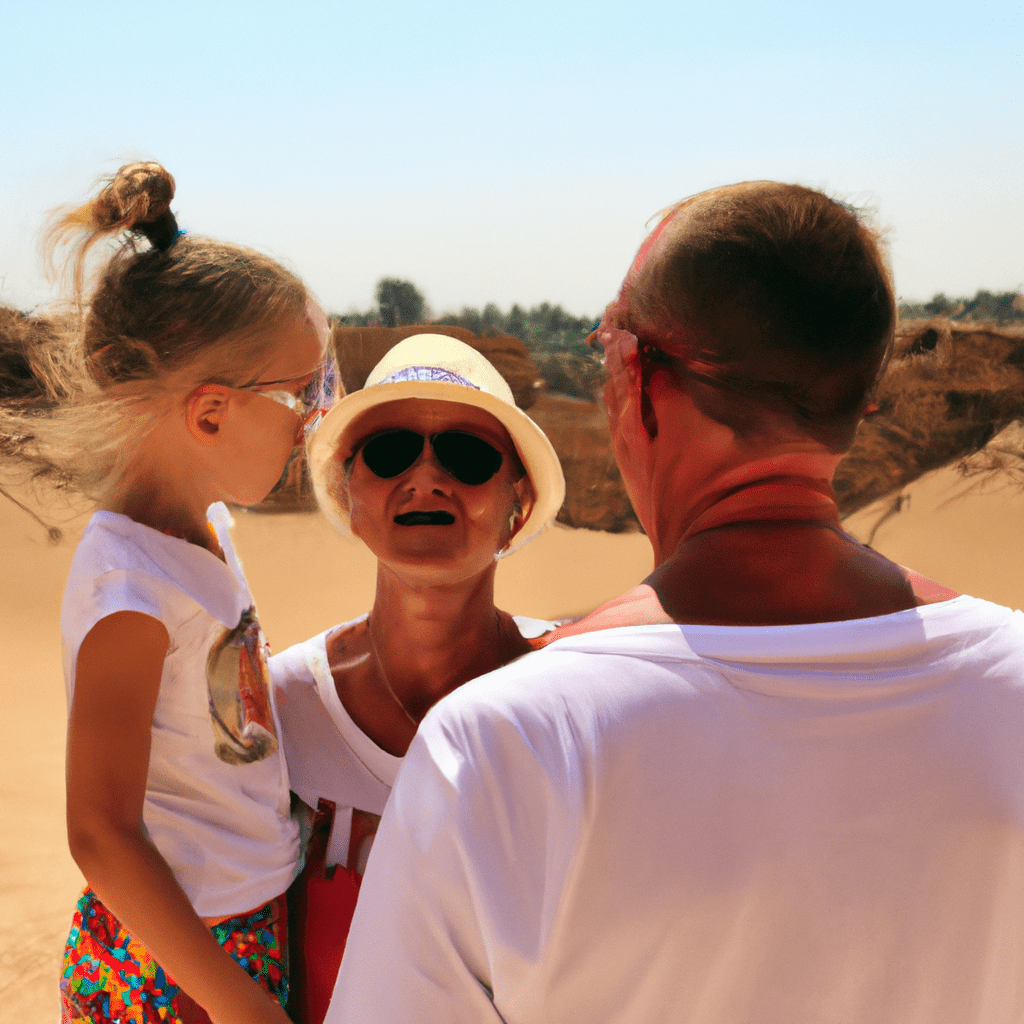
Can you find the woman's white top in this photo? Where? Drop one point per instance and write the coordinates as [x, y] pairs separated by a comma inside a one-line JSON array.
[[328, 755], [217, 795]]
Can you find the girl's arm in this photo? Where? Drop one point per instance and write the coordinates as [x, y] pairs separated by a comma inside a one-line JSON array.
[[116, 683]]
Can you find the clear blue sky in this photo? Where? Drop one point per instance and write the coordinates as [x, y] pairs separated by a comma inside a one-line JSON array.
[[515, 152]]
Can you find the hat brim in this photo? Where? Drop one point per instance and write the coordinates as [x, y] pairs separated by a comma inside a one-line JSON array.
[[326, 461]]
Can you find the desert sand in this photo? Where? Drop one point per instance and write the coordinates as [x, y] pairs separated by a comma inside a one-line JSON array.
[[305, 578]]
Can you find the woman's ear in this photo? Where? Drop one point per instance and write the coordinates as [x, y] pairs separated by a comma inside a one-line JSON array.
[[204, 412], [525, 500]]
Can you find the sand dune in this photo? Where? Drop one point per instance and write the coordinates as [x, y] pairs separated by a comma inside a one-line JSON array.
[[305, 578], [968, 535]]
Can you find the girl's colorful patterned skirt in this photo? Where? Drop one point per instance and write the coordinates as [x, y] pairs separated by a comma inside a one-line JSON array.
[[109, 978]]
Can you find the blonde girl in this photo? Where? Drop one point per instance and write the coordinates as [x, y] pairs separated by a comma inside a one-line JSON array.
[[187, 386]]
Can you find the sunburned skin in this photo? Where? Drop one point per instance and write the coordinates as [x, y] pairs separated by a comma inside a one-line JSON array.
[[751, 534], [643, 606]]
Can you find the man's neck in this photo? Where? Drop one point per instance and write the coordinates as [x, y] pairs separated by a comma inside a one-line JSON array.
[[765, 574]]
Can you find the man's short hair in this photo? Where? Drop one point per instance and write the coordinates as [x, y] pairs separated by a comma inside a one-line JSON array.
[[777, 292]]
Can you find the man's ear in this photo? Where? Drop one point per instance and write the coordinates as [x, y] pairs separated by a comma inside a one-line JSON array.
[[204, 412], [648, 416]]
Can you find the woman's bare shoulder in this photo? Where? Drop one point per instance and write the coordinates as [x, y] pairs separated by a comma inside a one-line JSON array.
[[348, 644]]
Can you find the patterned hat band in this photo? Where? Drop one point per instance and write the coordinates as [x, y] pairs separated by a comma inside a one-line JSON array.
[[427, 373]]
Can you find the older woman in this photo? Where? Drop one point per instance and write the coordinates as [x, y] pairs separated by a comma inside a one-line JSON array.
[[434, 468]]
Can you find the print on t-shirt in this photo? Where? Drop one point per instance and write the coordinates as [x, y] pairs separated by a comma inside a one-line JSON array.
[[239, 683]]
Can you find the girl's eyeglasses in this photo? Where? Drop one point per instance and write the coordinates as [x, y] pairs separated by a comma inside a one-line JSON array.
[[469, 459], [312, 402]]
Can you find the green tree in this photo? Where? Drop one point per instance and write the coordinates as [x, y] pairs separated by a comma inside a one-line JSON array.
[[542, 328], [1001, 307], [492, 321], [515, 322], [400, 302], [939, 304]]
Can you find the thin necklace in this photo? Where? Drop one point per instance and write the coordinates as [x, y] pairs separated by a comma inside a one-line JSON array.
[[379, 663]]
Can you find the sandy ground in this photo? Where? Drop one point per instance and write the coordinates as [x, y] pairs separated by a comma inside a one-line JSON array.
[[305, 579]]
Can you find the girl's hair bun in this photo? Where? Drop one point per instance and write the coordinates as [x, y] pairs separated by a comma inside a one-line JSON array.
[[138, 198]]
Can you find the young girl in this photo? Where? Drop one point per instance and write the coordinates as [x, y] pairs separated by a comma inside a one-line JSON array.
[[190, 383]]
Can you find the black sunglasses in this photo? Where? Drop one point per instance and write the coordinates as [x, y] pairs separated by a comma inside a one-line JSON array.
[[468, 458]]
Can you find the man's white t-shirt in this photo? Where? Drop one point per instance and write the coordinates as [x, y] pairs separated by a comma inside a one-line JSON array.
[[217, 803], [711, 825]]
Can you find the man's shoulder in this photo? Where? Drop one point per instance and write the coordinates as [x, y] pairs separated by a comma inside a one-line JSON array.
[[637, 607], [630, 665], [572, 678]]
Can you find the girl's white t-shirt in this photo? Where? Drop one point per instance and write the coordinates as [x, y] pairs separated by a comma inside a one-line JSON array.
[[217, 795]]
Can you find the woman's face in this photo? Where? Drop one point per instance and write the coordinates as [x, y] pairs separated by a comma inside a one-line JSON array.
[[423, 518]]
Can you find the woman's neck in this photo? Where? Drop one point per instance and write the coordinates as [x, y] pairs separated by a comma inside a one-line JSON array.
[[426, 641]]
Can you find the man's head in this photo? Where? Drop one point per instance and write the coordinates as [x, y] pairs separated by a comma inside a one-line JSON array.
[[775, 297]]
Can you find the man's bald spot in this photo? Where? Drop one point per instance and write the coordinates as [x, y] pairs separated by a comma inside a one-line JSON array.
[[648, 289]]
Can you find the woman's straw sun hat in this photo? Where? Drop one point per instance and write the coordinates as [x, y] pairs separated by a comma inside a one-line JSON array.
[[446, 370]]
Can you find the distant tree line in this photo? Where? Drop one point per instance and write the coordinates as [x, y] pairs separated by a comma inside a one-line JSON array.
[[543, 328], [547, 329], [985, 307]]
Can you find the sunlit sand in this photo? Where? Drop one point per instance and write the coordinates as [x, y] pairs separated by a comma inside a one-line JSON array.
[[305, 578]]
